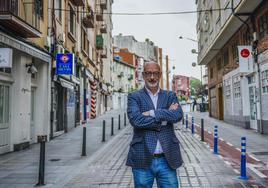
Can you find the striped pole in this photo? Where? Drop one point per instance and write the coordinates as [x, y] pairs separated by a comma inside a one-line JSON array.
[[192, 125], [215, 151], [243, 168], [186, 122]]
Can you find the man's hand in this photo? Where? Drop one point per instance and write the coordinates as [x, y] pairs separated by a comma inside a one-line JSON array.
[[147, 113], [174, 106]]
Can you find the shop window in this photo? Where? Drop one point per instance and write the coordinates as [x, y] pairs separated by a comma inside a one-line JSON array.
[[264, 81], [237, 87], [5, 70], [227, 88]]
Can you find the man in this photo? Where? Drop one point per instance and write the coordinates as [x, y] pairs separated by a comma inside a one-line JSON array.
[[154, 151]]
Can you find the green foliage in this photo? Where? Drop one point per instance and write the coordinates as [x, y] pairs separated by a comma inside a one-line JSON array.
[[195, 86]]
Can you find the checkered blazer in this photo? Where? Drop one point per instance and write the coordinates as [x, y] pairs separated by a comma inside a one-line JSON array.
[[148, 129]]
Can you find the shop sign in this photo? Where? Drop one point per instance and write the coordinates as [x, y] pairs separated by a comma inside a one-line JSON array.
[[245, 59], [65, 64], [6, 58]]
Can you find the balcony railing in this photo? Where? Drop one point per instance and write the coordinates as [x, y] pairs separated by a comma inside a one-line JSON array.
[[103, 28], [99, 42], [78, 2], [88, 19], [99, 14], [104, 53], [103, 4], [21, 18]]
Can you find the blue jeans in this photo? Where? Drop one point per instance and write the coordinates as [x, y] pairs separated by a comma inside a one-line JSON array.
[[166, 177]]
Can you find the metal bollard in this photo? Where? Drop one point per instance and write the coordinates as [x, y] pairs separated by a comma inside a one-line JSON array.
[[103, 131], [243, 168], [202, 130], [183, 120], [84, 139], [215, 150], [112, 127], [186, 121], [125, 119], [119, 122], [192, 125], [42, 139]]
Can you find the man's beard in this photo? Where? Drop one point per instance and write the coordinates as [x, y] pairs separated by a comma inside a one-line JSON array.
[[155, 84]]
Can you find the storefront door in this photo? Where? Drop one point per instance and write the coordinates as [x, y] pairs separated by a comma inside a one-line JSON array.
[[4, 118], [253, 107]]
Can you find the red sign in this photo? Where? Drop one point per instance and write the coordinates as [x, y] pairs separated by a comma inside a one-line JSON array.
[[245, 53]]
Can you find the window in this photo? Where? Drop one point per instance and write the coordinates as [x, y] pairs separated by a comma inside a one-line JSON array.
[[263, 25], [226, 57], [219, 64], [227, 88], [211, 73], [235, 51], [72, 21], [246, 37], [5, 70], [84, 43], [237, 87], [264, 81], [39, 8], [58, 7]]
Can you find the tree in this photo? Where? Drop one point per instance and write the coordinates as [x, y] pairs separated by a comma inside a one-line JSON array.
[[195, 86]]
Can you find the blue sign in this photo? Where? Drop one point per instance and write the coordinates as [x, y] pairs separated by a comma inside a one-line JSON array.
[[64, 64]]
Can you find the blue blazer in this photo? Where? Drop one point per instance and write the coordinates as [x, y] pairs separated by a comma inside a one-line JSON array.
[[148, 129]]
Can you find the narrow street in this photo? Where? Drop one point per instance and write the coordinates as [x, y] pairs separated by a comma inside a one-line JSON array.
[[104, 165]]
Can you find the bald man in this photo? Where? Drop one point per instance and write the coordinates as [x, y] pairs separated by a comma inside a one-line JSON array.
[[154, 150]]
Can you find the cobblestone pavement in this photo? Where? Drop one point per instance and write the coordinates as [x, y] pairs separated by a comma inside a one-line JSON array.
[[201, 168]]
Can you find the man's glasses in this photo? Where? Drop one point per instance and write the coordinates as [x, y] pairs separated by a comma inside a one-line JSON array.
[[150, 74]]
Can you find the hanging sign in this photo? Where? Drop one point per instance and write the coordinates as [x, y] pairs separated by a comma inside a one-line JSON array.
[[245, 59], [64, 64], [6, 58]]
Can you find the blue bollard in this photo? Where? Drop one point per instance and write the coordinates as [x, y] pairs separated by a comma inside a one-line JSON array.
[[192, 125], [186, 122], [215, 151], [243, 168]]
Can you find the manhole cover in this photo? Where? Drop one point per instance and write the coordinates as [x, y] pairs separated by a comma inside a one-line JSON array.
[[261, 153], [53, 160]]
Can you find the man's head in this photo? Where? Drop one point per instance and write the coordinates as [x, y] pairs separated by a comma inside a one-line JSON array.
[[151, 75]]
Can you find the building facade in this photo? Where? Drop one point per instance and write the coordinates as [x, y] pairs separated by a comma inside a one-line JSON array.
[[181, 85], [124, 80], [235, 96], [24, 74]]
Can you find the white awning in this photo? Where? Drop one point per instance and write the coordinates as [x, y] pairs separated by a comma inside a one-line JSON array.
[[66, 84]]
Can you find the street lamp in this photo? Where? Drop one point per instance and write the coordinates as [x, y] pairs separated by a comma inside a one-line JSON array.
[[181, 37]]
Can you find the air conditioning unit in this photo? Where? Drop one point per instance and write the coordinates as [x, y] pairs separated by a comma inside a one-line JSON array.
[[48, 42], [61, 38]]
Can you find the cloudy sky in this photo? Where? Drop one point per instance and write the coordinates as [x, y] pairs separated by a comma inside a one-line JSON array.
[[163, 30]]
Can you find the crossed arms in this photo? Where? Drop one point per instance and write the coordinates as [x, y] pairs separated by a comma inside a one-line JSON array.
[[152, 119]]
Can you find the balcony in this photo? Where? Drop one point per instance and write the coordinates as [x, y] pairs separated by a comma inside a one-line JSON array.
[[99, 42], [88, 20], [99, 14], [103, 28], [22, 19], [104, 53], [120, 75], [103, 4], [78, 2], [130, 77]]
